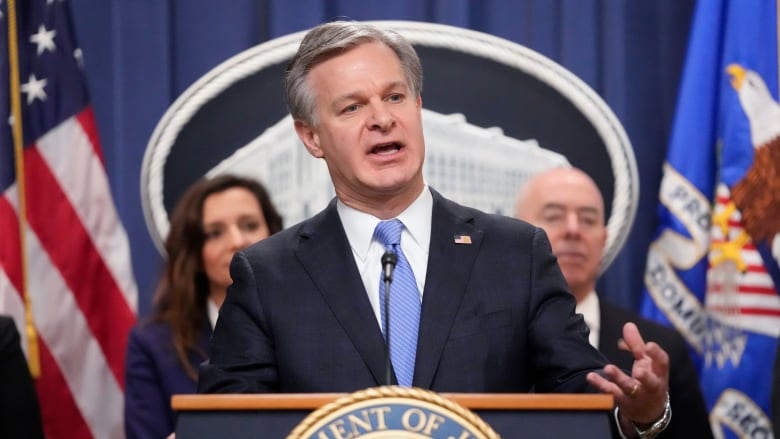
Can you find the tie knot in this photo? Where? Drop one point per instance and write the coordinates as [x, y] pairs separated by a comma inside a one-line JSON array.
[[389, 232]]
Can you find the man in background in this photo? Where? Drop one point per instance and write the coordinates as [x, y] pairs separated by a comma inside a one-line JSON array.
[[568, 205]]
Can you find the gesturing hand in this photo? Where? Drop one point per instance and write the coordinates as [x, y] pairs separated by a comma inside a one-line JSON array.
[[641, 397]]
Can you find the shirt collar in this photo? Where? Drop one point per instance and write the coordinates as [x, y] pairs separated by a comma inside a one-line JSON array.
[[359, 226], [213, 311], [589, 308]]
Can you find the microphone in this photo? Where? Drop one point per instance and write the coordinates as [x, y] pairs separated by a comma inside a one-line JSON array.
[[389, 260]]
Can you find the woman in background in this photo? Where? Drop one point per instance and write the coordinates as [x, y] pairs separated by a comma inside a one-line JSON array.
[[213, 219]]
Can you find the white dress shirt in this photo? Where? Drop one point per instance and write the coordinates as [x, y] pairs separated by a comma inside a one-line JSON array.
[[589, 308], [367, 251], [213, 311]]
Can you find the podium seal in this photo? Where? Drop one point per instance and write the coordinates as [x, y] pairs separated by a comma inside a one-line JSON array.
[[392, 412]]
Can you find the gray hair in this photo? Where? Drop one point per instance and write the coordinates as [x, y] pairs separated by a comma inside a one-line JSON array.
[[330, 39]]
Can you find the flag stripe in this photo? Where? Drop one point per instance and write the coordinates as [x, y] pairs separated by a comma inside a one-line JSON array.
[[86, 119], [746, 310], [81, 176], [9, 245], [747, 289], [753, 301], [752, 269], [752, 278], [61, 417], [77, 260]]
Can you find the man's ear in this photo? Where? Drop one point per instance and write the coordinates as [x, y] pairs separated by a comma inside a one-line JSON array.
[[310, 139]]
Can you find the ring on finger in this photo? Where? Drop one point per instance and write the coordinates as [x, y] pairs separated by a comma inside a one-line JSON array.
[[633, 390]]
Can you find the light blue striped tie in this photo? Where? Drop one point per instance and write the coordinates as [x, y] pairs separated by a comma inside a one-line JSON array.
[[404, 304]]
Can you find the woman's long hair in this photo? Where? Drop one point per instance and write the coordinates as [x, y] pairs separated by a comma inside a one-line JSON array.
[[181, 298]]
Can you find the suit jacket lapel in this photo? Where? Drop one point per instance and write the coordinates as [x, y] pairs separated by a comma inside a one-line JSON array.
[[449, 270], [326, 256]]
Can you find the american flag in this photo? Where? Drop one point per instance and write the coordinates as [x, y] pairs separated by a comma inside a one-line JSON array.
[[462, 239], [70, 269]]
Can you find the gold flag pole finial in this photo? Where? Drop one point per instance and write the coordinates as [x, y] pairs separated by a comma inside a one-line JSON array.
[[33, 355]]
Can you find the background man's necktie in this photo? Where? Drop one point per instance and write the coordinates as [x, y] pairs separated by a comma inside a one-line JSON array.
[[404, 304]]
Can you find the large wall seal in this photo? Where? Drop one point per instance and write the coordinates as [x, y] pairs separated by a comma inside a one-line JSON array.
[[494, 113]]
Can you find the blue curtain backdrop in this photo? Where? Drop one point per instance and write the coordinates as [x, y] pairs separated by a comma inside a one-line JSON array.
[[141, 54]]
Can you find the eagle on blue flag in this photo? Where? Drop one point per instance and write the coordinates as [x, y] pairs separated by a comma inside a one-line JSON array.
[[757, 195], [712, 271]]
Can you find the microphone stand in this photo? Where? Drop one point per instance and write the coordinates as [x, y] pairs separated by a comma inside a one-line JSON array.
[[389, 259]]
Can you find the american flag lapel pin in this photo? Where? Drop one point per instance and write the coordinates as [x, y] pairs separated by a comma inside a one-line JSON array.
[[462, 239]]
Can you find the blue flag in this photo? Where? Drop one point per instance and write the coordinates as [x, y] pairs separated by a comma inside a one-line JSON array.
[[712, 271]]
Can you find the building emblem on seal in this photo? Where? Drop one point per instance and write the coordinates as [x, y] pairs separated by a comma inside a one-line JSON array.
[[392, 412]]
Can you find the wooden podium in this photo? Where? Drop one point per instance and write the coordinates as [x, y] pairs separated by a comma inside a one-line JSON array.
[[522, 416]]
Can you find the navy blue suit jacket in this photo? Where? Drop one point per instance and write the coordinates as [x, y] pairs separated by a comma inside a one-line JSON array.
[[689, 412], [496, 314], [153, 375]]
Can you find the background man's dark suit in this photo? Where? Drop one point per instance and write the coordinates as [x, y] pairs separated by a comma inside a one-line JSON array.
[[20, 415], [689, 412], [496, 313]]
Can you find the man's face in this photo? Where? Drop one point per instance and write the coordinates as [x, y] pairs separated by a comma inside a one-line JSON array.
[[369, 126], [568, 206]]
